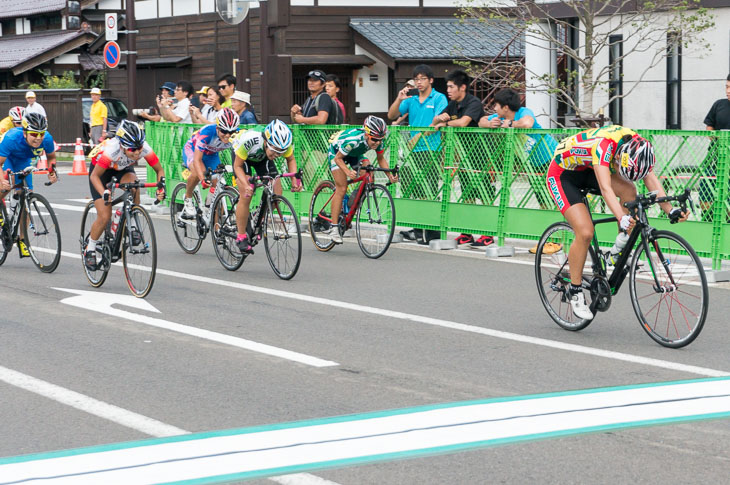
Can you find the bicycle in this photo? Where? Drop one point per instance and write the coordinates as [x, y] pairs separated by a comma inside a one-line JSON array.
[[372, 208], [33, 221], [190, 233], [667, 282], [133, 241], [275, 221]]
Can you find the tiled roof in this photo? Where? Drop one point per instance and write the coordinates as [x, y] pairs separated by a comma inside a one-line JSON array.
[[17, 49], [450, 38], [24, 8]]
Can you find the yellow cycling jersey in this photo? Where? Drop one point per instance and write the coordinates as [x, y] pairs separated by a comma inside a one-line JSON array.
[[6, 125], [590, 147]]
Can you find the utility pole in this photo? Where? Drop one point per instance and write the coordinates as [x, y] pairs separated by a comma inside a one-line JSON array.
[[131, 56]]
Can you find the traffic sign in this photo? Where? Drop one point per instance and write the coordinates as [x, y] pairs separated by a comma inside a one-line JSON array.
[[112, 54], [110, 21]]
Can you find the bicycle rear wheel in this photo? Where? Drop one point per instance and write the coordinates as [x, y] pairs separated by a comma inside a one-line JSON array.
[[375, 221], [673, 313], [5, 243], [42, 234], [553, 276], [139, 252], [283, 238], [189, 236], [224, 230], [98, 276], [320, 215]]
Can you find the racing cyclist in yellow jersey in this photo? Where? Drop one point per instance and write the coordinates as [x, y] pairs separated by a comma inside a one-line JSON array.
[[13, 120], [257, 151], [608, 159]]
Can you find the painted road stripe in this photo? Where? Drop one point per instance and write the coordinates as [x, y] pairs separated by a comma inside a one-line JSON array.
[[373, 437], [515, 337]]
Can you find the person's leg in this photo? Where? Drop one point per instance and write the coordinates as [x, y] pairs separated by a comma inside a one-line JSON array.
[[340, 189], [243, 212]]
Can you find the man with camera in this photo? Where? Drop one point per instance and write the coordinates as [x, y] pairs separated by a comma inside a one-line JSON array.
[[166, 92]]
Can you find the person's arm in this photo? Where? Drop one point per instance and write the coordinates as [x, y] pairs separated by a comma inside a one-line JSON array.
[[603, 175], [526, 121], [198, 165], [394, 110], [652, 183], [244, 187], [52, 175], [340, 162], [169, 114], [320, 119], [383, 163], [296, 184], [95, 179], [460, 122], [105, 120], [4, 182]]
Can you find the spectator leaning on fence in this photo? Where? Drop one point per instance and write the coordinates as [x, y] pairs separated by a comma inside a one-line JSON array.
[[98, 117], [241, 104], [180, 113], [227, 86], [33, 106], [209, 112], [717, 119], [166, 91], [333, 86], [319, 108], [202, 97]]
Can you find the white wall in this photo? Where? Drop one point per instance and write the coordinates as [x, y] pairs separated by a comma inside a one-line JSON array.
[[372, 95], [111, 5], [67, 59], [145, 9], [186, 7]]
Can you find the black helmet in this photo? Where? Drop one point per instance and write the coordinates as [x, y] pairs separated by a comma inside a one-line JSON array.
[[130, 135], [35, 122]]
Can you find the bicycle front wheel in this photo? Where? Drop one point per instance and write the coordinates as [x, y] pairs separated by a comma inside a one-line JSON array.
[[97, 276], [283, 238], [189, 236], [375, 221], [669, 289], [224, 230], [42, 234], [320, 215], [552, 275], [139, 252], [5, 243]]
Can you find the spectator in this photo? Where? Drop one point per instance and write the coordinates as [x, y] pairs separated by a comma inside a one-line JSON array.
[[421, 172], [98, 117], [33, 107], [464, 109], [208, 114], [180, 113], [333, 86], [167, 90], [227, 86], [241, 104], [718, 118], [13, 120], [402, 120], [319, 108]]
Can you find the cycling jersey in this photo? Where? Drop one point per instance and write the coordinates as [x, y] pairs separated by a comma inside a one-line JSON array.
[[351, 143], [590, 147], [206, 141], [251, 146], [19, 155], [6, 125], [111, 155]]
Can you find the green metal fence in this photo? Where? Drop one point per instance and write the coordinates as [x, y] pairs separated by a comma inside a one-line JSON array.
[[492, 181]]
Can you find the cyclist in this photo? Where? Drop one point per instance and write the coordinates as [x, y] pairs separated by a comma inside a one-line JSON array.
[[17, 150], [609, 159], [116, 157], [201, 152], [257, 151], [347, 149], [13, 120]]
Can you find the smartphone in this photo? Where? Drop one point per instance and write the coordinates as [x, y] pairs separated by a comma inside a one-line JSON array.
[[412, 92]]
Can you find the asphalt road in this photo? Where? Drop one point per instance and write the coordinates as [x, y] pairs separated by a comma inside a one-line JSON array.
[[337, 309]]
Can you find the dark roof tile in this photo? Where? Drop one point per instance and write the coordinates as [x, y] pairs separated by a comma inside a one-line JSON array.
[[24, 8], [17, 49]]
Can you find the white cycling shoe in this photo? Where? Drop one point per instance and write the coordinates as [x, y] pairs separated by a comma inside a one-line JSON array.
[[579, 306], [188, 211], [334, 234]]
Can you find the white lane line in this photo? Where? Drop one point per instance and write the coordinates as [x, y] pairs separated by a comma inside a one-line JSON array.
[[581, 349]]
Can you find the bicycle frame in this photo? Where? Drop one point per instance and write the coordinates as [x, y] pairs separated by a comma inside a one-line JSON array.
[[267, 183], [20, 209]]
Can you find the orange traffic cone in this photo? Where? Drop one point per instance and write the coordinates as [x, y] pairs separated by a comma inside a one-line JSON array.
[[79, 166], [42, 165]]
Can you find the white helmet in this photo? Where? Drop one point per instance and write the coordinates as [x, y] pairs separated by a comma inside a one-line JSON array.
[[278, 136]]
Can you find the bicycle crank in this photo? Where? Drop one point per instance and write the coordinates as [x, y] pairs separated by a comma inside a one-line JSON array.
[[600, 294]]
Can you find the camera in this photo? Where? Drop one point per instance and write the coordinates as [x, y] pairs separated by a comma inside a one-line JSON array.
[[412, 92], [139, 111]]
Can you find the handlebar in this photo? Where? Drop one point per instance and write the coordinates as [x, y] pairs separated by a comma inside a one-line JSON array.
[[260, 180], [134, 185], [27, 171], [646, 200]]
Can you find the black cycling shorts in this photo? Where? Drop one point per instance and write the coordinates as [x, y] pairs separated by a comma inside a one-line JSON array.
[[106, 177], [565, 185], [265, 168]]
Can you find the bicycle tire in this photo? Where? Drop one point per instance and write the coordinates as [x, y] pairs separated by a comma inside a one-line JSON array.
[[553, 277], [98, 277], [224, 230], [320, 204], [690, 281], [375, 228], [42, 235], [281, 232], [5, 243], [186, 231], [139, 252]]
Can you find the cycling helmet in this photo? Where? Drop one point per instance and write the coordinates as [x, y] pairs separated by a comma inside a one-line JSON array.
[[375, 127], [635, 158], [34, 122], [278, 136], [228, 120], [130, 135], [16, 113]]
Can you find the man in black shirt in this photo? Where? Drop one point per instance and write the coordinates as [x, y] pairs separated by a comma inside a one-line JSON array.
[[319, 109], [717, 119]]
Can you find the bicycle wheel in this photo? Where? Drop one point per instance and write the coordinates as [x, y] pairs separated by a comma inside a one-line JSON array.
[[320, 215], [283, 238], [674, 313], [42, 234], [97, 277], [375, 221], [139, 252], [5, 243], [224, 231], [553, 276], [189, 236]]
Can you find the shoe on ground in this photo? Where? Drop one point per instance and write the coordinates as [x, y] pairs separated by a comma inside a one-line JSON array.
[[244, 246], [482, 242], [548, 248], [24, 253], [408, 235], [580, 308], [464, 239], [90, 260], [188, 211]]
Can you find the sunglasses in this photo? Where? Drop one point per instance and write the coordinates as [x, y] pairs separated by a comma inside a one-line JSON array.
[[36, 134], [226, 132], [222, 86]]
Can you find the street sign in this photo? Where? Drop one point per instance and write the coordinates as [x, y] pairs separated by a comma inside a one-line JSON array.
[[110, 21], [233, 11], [112, 54]]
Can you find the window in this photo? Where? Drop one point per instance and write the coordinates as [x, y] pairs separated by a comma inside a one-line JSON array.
[[615, 78], [8, 26], [674, 81]]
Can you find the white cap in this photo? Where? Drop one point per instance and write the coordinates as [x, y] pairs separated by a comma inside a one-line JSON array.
[[241, 96], [95, 91], [29, 94]]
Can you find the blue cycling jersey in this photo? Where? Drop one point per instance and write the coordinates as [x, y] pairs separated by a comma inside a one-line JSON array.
[[19, 155]]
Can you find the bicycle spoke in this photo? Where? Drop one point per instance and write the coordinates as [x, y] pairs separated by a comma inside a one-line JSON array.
[[42, 234], [139, 253]]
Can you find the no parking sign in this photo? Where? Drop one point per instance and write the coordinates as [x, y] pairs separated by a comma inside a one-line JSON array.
[[112, 54]]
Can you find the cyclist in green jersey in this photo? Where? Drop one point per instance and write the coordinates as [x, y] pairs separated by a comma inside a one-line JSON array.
[[347, 150]]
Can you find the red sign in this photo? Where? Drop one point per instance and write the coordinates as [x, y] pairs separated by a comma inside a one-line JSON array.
[[112, 54]]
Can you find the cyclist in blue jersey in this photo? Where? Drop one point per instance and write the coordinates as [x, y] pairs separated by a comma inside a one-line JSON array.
[[201, 152]]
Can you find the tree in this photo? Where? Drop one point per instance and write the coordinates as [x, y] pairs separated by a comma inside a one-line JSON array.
[[579, 32]]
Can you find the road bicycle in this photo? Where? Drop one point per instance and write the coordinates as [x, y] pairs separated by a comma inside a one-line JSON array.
[[667, 282], [275, 221], [190, 233], [132, 240], [32, 221], [370, 206]]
